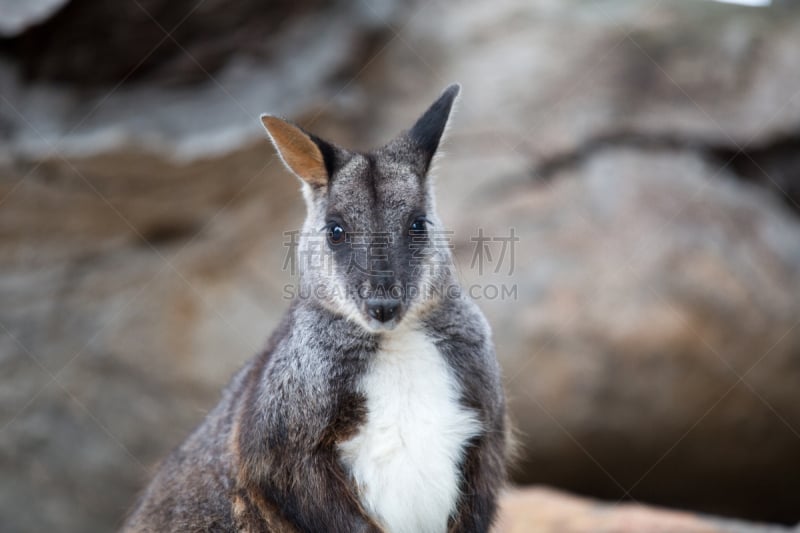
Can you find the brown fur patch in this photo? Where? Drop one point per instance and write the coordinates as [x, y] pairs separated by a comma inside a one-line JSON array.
[[298, 151], [351, 414], [253, 514]]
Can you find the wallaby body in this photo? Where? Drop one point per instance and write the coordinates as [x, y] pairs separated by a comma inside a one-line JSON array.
[[372, 410]]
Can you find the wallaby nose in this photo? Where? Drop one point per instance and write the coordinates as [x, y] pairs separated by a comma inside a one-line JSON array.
[[383, 309]]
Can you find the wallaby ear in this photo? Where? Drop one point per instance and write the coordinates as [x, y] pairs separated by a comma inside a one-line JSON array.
[[309, 157], [428, 130]]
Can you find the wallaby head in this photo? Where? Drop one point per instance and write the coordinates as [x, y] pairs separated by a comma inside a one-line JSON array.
[[371, 246]]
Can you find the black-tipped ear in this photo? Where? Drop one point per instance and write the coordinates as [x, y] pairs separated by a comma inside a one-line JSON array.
[[428, 130], [307, 156]]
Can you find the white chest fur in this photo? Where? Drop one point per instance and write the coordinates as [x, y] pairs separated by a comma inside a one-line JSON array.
[[405, 459]]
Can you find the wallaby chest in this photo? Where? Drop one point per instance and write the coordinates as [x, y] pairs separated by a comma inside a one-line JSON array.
[[405, 458]]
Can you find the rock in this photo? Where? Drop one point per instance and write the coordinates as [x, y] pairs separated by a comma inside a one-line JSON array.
[[142, 245], [544, 510], [639, 310], [16, 16], [162, 41]]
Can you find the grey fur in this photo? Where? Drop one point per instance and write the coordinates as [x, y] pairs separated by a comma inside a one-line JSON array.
[[265, 459]]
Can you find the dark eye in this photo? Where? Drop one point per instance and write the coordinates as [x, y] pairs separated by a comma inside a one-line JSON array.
[[335, 234], [418, 227]]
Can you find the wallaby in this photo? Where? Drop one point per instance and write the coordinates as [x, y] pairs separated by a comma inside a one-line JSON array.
[[377, 405]]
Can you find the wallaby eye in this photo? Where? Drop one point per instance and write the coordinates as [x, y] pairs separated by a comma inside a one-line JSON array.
[[418, 227], [336, 234]]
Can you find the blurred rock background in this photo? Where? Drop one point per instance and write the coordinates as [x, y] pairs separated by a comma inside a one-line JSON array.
[[646, 155]]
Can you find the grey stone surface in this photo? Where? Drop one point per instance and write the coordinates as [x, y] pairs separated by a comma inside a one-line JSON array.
[[142, 238], [16, 16]]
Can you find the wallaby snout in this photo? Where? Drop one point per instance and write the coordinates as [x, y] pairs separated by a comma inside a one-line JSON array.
[[383, 310], [383, 305]]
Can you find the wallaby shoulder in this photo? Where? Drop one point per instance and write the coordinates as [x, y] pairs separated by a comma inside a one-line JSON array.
[[464, 338]]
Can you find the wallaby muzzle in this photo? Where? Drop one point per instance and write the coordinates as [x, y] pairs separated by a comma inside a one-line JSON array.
[[384, 310]]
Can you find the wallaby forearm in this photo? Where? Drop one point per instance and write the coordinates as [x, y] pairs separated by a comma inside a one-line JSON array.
[[261, 508], [286, 448]]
